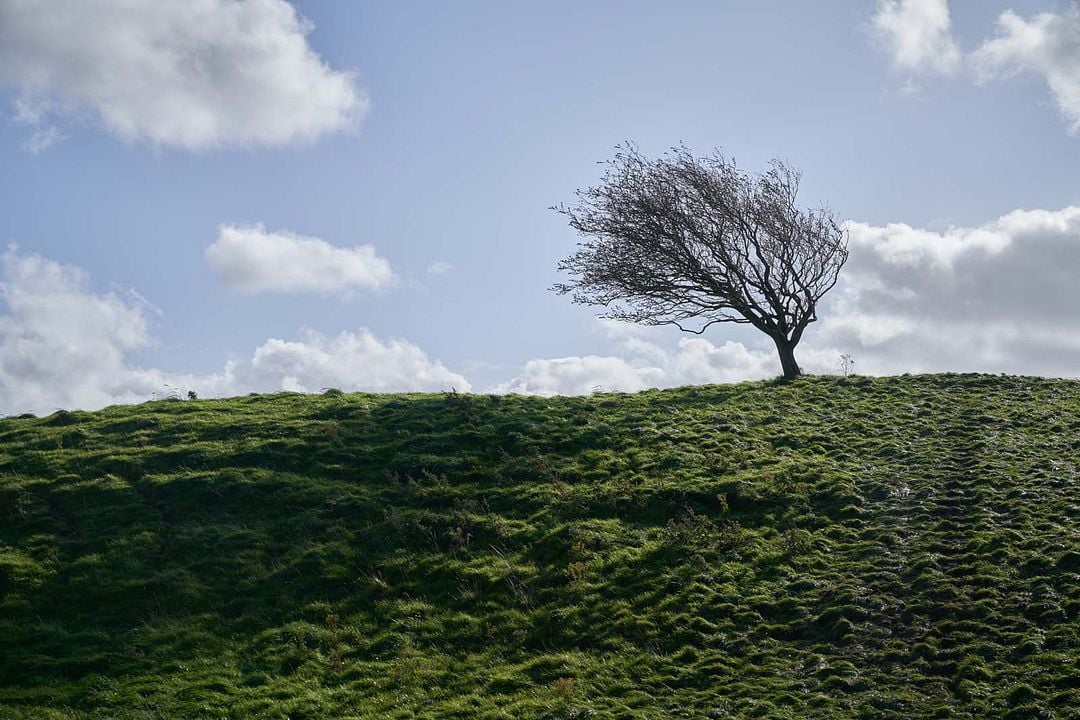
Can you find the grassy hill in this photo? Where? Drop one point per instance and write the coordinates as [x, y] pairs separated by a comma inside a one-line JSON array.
[[902, 547]]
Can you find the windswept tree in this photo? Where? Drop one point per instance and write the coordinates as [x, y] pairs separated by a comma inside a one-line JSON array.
[[693, 241]]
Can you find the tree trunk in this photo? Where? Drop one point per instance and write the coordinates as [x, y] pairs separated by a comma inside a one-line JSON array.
[[786, 349]]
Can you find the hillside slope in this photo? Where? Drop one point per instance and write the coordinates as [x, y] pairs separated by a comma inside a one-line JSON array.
[[885, 548]]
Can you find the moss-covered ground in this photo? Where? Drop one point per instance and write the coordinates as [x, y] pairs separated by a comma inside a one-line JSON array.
[[902, 547]]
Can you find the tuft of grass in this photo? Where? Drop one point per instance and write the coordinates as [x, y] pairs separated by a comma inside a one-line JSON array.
[[901, 547]]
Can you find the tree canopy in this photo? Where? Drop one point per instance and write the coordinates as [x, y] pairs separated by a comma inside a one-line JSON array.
[[693, 241]]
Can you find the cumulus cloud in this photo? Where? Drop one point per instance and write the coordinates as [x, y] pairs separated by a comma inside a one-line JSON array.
[[1046, 45], [252, 260], [918, 35], [642, 363], [581, 376], [1001, 297], [194, 74], [349, 361], [62, 345]]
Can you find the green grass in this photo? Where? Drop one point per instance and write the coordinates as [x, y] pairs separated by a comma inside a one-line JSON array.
[[900, 547]]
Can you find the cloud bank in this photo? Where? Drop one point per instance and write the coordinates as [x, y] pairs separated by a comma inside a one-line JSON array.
[[696, 361], [194, 74], [348, 361], [998, 297], [62, 345], [643, 362], [252, 260], [1001, 297]]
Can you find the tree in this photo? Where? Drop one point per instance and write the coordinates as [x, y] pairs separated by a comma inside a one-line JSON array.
[[684, 240]]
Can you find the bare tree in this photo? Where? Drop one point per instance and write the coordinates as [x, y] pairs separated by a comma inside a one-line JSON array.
[[693, 241]]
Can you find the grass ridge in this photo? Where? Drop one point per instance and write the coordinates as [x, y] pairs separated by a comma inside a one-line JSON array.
[[899, 547]]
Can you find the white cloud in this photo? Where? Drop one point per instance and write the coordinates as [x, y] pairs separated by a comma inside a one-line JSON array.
[[1047, 45], [642, 364], [698, 361], [1001, 297], [195, 74], [349, 361], [439, 268], [250, 259], [901, 244], [918, 35], [64, 346], [581, 376]]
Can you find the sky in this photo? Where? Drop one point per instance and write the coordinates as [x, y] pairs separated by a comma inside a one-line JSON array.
[[233, 196]]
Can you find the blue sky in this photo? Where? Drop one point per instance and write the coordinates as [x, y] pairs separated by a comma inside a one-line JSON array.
[[440, 133]]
